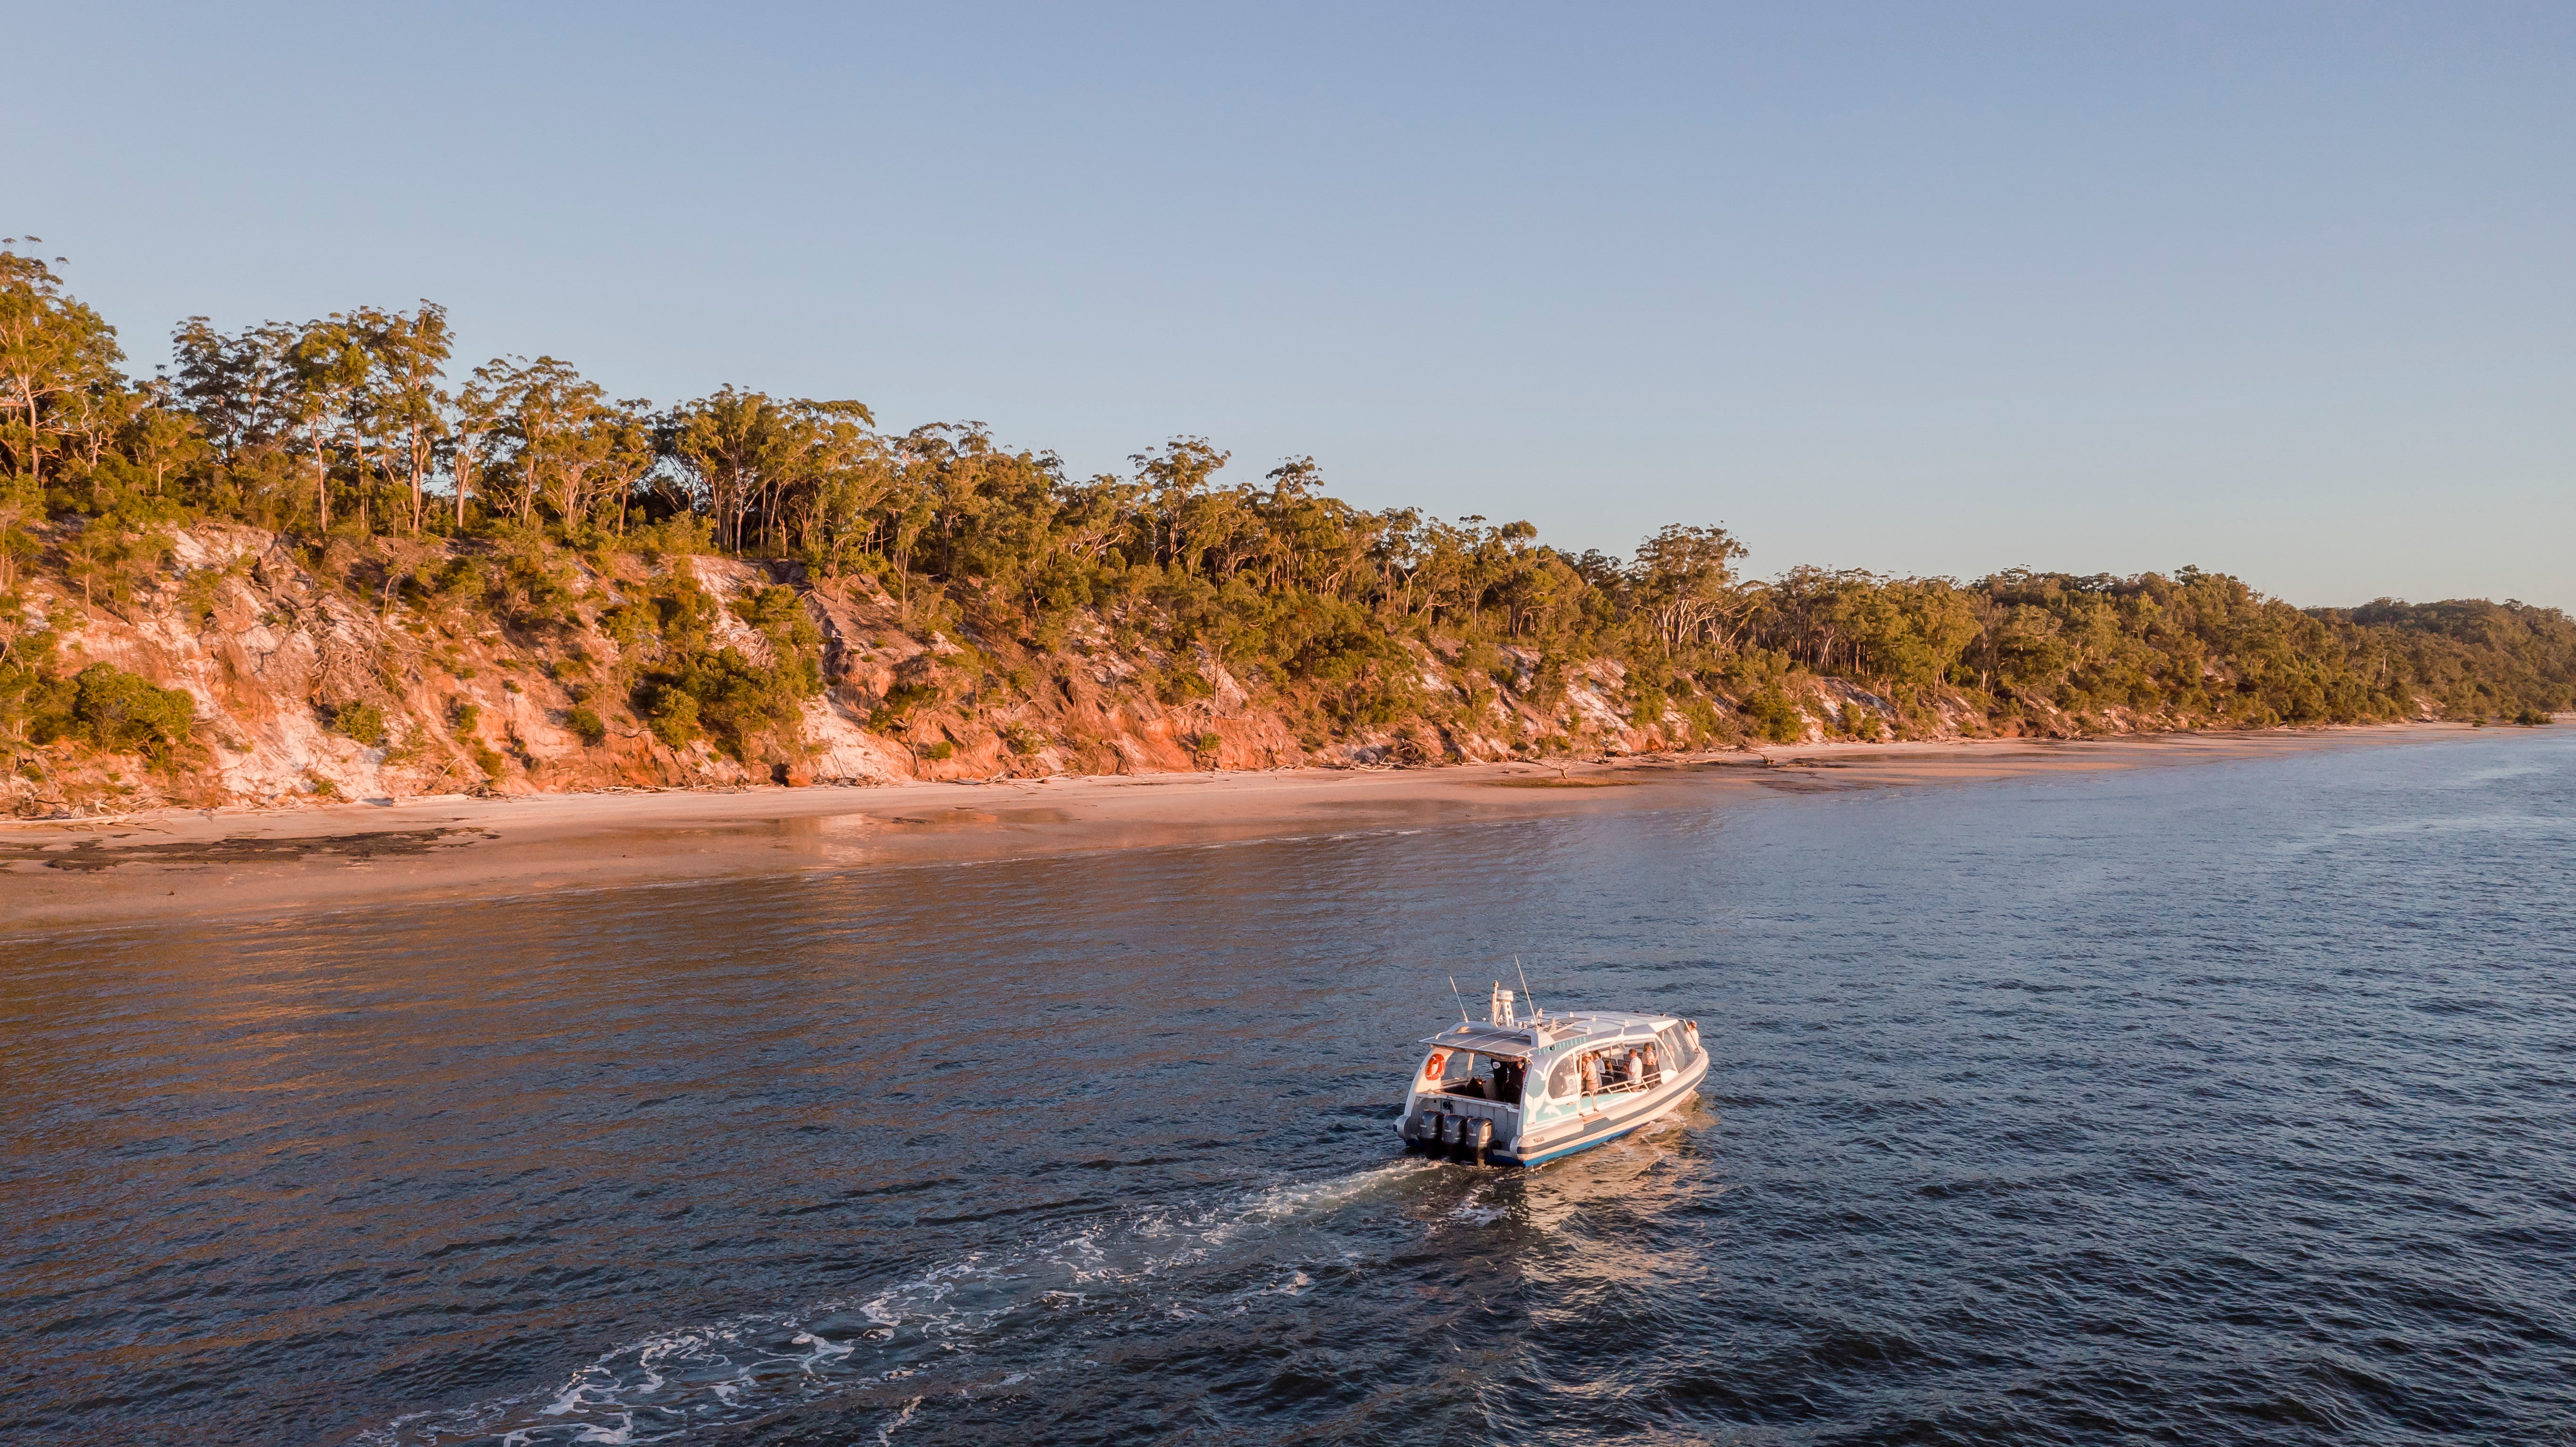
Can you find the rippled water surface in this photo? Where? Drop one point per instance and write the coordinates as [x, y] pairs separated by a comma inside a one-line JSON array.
[[2221, 1102]]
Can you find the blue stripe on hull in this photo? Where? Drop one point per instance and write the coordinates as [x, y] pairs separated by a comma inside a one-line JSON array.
[[1561, 1152], [1502, 1158]]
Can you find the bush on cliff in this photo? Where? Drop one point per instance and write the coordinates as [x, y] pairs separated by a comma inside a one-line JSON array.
[[107, 707], [727, 698]]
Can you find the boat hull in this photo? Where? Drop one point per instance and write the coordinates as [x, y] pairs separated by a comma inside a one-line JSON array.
[[1605, 1126], [1598, 1128]]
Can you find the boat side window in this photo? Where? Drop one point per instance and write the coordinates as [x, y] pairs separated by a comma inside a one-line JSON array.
[[1619, 1068], [1674, 1055], [1564, 1078]]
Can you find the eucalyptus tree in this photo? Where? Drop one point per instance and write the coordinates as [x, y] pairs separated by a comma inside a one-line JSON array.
[[728, 442], [162, 438], [558, 434], [1684, 579], [1171, 480], [470, 423], [241, 387], [331, 368], [627, 437], [837, 473], [58, 369], [411, 356]]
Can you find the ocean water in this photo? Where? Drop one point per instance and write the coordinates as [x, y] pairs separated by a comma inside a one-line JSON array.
[[2218, 1102]]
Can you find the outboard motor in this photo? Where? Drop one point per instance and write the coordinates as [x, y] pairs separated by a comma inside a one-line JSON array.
[[1481, 1141]]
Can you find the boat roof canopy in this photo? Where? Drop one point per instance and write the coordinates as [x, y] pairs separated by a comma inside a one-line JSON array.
[[1521, 1041]]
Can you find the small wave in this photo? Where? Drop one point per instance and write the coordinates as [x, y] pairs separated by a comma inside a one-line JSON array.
[[663, 1386]]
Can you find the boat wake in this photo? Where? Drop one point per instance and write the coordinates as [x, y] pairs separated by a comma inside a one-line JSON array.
[[952, 1323]]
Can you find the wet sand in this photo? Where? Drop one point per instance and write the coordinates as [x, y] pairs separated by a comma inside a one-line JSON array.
[[214, 863]]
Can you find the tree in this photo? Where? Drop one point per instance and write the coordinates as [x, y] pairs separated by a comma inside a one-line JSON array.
[[411, 353], [58, 368], [1172, 479], [472, 419], [331, 367], [162, 439], [728, 441], [1684, 578]]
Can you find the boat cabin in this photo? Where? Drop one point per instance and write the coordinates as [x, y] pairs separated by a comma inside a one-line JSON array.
[[1529, 1076]]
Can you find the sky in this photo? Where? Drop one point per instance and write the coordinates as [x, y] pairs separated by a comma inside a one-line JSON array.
[[2283, 291]]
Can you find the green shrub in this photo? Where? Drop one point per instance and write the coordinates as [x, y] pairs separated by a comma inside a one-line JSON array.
[[117, 711], [588, 725], [671, 712], [461, 718], [361, 721], [940, 750], [1182, 685], [201, 592], [897, 707], [1773, 716], [728, 697]]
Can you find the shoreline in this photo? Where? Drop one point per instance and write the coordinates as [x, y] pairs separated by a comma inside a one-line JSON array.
[[209, 864]]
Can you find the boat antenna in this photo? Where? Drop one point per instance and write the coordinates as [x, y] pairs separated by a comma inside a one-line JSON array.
[[1525, 989], [1462, 1001]]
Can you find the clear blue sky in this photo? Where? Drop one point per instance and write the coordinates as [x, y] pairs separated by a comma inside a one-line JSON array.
[[2284, 291]]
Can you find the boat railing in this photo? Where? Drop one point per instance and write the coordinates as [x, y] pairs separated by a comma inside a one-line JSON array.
[[1651, 1080]]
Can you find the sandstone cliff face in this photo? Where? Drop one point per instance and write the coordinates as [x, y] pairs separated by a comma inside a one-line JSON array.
[[280, 651]]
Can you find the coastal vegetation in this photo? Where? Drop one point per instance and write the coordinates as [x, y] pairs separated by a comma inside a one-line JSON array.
[[709, 577]]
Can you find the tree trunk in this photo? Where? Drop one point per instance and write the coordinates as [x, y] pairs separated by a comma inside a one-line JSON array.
[[321, 480]]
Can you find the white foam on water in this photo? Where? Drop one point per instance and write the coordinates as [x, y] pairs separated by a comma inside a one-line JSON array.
[[662, 1387], [885, 1434]]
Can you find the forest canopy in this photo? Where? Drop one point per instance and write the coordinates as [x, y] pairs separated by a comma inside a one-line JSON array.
[[366, 428]]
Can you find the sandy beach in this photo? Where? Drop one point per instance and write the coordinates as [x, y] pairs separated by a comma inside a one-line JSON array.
[[70, 873]]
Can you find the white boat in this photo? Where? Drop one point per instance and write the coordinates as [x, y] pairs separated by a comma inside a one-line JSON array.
[[1521, 1092]]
